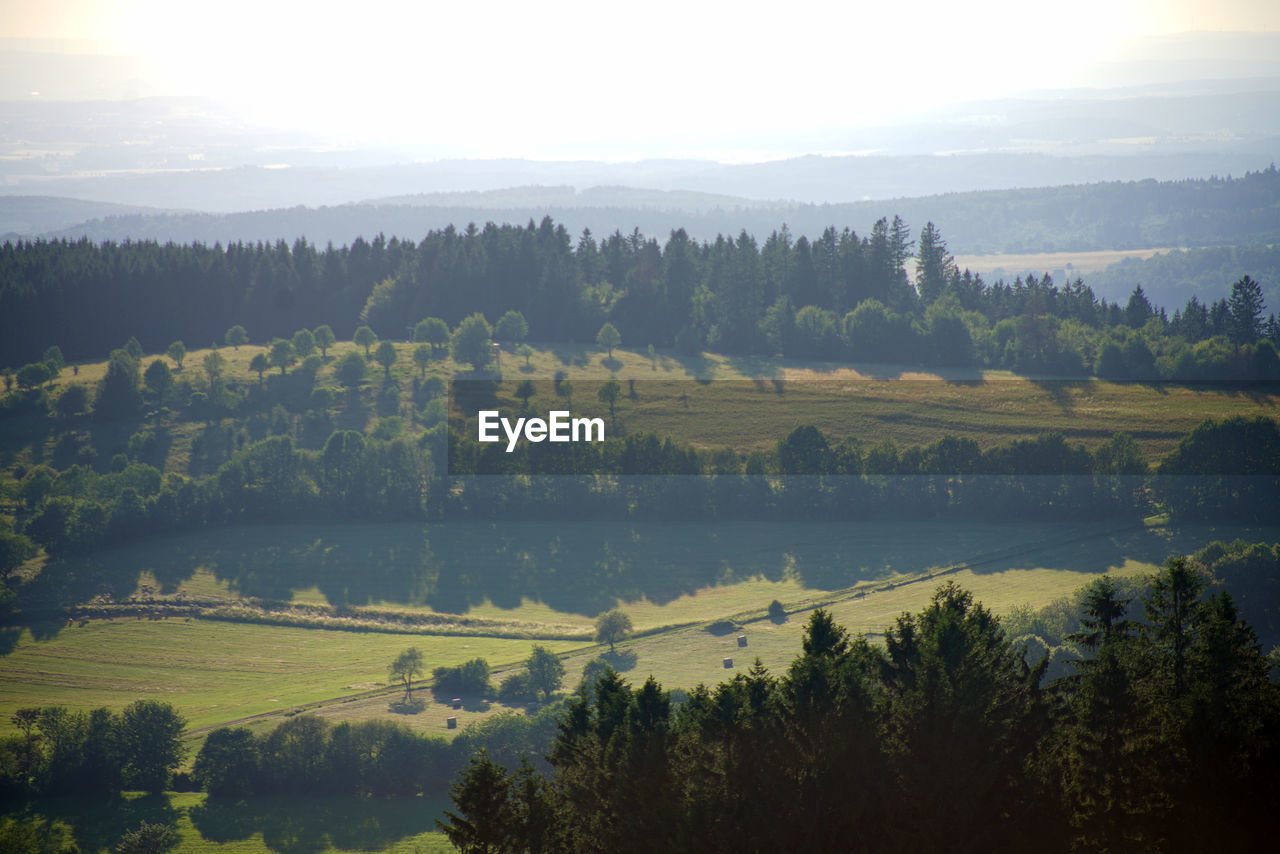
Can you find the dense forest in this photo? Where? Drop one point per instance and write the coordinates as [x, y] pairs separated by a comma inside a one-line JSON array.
[[840, 296], [1172, 278], [1163, 737]]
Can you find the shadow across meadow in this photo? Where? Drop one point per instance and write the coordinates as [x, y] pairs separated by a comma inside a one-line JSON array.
[[581, 567], [308, 825]]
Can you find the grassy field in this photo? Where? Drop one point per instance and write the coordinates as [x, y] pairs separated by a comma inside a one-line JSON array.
[[327, 606], [1071, 263], [751, 404], [314, 825], [215, 672]]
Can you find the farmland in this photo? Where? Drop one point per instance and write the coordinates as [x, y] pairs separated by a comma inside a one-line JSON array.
[[254, 624], [216, 671]]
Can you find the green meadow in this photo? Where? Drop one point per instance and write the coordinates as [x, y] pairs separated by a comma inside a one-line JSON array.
[[252, 624]]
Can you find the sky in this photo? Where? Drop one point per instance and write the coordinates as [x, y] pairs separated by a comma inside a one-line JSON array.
[[614, 80]]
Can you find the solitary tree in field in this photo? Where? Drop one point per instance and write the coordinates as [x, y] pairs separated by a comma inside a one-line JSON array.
[[546, 671], [236, 336], [350, 370], [433, 331], [304, 343], [511, 327], [405, 668], [526, 351], [608, 393], [386, 356], [177, 351], [259, 365], [611, 627], [282, 355], [324, 339], [608, 337], [472, 341], [422, 358], [213, 363], [365, 338]]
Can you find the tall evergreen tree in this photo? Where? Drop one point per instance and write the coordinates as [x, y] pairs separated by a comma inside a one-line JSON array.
[[1245, 307]]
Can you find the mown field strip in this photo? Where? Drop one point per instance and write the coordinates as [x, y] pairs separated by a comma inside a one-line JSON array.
[[217, 671]]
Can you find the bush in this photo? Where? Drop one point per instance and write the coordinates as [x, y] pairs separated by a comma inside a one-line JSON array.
[[470, 679], [516, 688]]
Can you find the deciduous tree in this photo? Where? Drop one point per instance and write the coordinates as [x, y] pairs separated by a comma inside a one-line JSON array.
[[304, 343], [422, 358], [324, 339], [177, 351], [608, 393], [366, 338], [405, 668], [546, 671], [472, 342], [351, 370], [282, 355], [235, 337], [259, 364], [511, 327], [386, 356], [611, 627], [150, 739], [608, 337]]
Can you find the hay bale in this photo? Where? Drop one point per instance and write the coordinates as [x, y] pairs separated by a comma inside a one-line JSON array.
[[451, 723], [742, 640], [728, 664], [457, 703]]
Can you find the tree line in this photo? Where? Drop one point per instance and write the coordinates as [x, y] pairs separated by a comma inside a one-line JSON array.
[[947, 736], [1223, 469], [840, 295], [1160, 735], [59, 752]]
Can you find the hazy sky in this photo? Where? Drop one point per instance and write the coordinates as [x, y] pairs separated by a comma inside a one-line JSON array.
[[566, 78]]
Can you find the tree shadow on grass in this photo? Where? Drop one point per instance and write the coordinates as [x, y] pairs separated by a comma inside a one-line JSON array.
[[99, 823], [621, 661], [9, 638], [408, 707], [1061, 392], [307, 825]]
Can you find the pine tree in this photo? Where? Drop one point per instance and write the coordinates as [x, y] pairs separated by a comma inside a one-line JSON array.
[[486, 820], [934, 265], [1245, 308]]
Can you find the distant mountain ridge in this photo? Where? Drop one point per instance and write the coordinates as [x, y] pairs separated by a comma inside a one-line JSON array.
[[1115, 215]]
